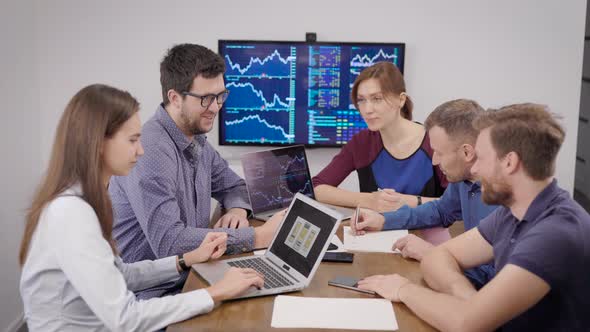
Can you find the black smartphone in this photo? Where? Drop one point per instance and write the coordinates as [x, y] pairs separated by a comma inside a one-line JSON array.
[[348, 283], [342, 257]]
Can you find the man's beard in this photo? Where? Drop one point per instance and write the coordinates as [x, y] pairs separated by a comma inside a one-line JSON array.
[[452, 178], [498, 193], [191, 127], [461, 175]]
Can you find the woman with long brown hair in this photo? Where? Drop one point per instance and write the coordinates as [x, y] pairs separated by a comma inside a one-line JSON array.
[[72, 278], [392, 157]]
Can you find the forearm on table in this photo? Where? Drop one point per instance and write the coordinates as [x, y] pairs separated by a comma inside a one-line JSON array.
[[443, 311], [442, 273], [337, 196]]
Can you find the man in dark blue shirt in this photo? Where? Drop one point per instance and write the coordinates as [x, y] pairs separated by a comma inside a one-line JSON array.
[[537, 238], [453, 136]]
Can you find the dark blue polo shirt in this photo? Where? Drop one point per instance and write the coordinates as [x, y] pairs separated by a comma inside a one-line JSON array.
[[552, 241], [461, 201]]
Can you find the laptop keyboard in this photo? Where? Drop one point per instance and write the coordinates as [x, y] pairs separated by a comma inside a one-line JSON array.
[[272, 279]]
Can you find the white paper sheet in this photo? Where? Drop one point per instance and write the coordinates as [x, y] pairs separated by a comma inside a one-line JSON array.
[[372, 241], [330, 313], [335, 240]]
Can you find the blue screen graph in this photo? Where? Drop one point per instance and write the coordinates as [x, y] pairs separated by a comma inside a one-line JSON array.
[[273, 177], [284, 93]]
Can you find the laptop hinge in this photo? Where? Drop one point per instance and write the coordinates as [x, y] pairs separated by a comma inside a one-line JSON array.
[[283, 270]]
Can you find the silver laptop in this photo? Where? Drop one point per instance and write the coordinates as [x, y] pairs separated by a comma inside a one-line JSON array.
[[294, 254], [274, 176]]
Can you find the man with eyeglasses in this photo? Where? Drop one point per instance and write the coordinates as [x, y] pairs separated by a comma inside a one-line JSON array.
[[163, 206]]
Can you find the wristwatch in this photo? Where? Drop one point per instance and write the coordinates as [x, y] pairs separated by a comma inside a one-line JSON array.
[[181, 263], [419, 200]]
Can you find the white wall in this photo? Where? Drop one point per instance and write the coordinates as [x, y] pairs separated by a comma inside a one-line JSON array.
[[20, 146], [496, 52]]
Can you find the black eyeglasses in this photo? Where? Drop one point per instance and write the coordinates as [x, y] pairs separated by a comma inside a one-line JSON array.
[[207, 100]]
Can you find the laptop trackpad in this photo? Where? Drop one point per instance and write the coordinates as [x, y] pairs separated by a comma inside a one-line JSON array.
[[212, 272]]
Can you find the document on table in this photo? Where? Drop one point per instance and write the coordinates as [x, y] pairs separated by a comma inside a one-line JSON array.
[[372, 241], [330, 313], [338, 243]]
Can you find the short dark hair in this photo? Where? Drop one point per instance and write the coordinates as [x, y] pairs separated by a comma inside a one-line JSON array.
[[531, 131], [391, 81], [182, 63], [456, 118]]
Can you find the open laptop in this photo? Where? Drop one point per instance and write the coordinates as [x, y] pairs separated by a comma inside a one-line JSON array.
[[294, 253], [274, 176]]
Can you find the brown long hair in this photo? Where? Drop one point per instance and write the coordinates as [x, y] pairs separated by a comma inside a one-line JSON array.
[[96, 112], [391, 81]]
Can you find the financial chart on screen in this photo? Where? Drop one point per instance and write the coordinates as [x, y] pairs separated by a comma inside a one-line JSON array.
[[273, 177], [295, 92]]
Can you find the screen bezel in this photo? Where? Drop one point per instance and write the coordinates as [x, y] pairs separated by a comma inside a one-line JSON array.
[[220, 43], [318, 206]]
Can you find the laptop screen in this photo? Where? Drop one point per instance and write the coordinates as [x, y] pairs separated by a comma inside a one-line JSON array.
[[273, 177], [302, 236]]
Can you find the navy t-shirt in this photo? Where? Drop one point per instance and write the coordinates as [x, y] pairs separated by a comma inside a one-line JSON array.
[[552, 241]]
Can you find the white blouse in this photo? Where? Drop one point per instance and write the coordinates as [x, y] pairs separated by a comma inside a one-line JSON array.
[[71, 281]]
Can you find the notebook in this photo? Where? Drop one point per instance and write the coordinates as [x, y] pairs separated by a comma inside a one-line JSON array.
[[294, 254], [274, 176], [381, 241]]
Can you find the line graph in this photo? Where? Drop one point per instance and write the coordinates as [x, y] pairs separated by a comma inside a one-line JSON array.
[[245, 96], [292, 164], [363, 57], [273, 177], [248, 62], [366, 57], [256, 129], [277, 195], [295, 92], [261, 105]]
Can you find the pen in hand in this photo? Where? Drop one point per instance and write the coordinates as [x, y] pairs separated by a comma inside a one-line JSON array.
[[355, 221]]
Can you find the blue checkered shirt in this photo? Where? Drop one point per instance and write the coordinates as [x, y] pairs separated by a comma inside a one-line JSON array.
[[162, 208]]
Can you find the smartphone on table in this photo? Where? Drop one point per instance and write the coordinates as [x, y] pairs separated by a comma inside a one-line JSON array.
[[348, 283], [339, 257]]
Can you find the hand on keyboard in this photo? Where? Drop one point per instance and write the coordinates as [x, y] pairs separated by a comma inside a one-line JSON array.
[[234, 282]]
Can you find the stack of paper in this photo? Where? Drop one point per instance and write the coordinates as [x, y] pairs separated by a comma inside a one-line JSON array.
[[372, 241], [333, 313]]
